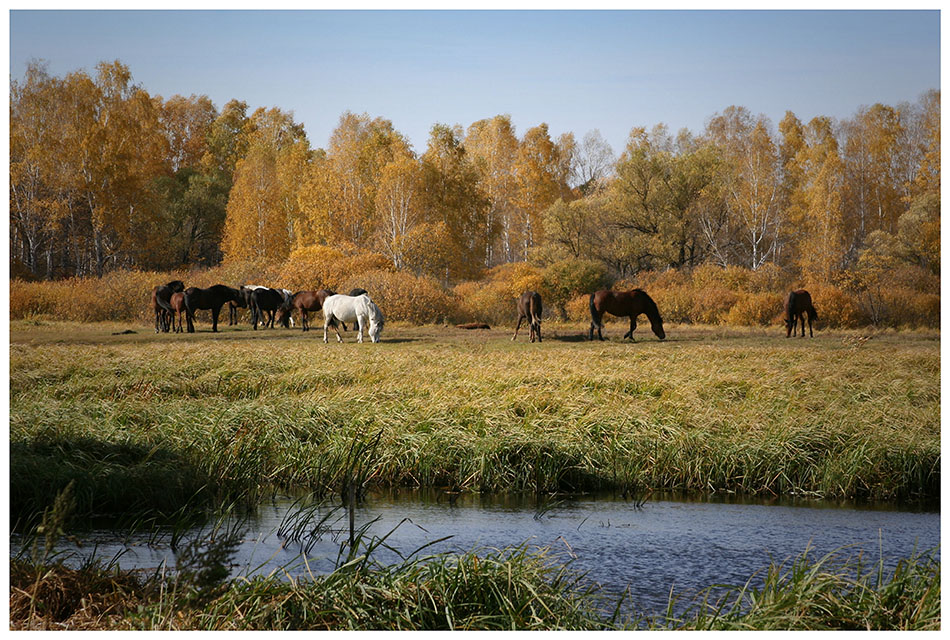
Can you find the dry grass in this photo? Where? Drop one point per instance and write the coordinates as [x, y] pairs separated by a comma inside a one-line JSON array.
[[150, 421]]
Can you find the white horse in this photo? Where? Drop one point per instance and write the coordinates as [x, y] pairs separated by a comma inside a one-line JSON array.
[[353, 308]]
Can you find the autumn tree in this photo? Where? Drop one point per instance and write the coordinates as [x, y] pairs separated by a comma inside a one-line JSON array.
[[492, 146], [540, 178], [263, 204], [453, 197]]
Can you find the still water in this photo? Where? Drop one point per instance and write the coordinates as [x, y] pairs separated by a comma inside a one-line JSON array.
[[669, 542]]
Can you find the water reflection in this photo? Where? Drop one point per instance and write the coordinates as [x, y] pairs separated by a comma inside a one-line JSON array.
[[669, 542]]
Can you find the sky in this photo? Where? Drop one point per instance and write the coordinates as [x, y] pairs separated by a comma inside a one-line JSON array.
[[574, 70]]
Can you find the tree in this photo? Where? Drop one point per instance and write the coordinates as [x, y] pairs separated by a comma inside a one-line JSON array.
[[263, 206], [453, 197], [540, 179], [492, 145], [593, 161]]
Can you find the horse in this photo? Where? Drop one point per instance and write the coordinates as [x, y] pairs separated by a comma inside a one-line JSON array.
[[348, 309], [177, 303], [305, 302], [213, 298], [269, 301], [797, 306], [243, 302], [529, 308], [357, 292], [160, 303], [624, 303]]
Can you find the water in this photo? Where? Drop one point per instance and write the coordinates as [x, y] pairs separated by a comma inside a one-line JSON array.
[[686, 545]]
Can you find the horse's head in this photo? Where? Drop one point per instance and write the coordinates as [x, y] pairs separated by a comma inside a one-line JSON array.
[[375, 322], [657, 326]]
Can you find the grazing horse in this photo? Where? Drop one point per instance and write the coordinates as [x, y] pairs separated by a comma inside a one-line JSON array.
[[305, 302], [177, 304], [270, 301], [161, 295], [243, 302], [212, 298], [624, 303], [348, 309], [529, 308], [797, 306]]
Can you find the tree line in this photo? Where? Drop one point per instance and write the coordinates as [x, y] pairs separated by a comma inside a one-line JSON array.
[[104, 176]]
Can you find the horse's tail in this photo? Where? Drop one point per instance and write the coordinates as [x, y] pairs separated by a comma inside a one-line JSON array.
[[535, 309], [594, 314]]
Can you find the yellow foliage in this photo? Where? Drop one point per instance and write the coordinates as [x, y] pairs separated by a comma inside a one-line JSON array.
[[756, 309], [324, 267], [403, 296]]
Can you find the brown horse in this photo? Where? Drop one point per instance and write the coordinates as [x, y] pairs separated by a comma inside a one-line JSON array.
[[160, 303], [529, 308], [177, 303], [624, 303], [797, 306], [212, 298], [305, 302]]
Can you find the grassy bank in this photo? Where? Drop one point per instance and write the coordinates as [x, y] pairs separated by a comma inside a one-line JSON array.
[[157, 423], [509, 589]]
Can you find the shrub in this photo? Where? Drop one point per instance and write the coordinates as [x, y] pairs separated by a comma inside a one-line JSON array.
[[836, 307], [567, 279], [756, 309], [324, 267], [675, 303], [711, 304], [403, 296]]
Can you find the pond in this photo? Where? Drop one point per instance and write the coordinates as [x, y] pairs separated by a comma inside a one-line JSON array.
[[669, 543]]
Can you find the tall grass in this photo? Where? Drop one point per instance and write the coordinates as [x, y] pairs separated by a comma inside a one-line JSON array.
[[157, 424], [514, 588], [823, 594]]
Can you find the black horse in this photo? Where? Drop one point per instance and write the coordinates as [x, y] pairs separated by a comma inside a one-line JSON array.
[[211, 298], [268, 301], [356, 292], [161, 302]]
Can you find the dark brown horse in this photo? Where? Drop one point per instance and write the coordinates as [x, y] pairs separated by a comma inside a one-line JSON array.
[[212, 298], [243, 302], [161, 295], [529, 308], [305, 302], [269, 301], [624, 303], [177, 303], [797, 306]]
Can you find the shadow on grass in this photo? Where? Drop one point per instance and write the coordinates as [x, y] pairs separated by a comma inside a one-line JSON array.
[[109, 479]]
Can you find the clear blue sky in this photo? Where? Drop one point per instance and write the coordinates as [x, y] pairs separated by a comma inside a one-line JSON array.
[[575, 70]]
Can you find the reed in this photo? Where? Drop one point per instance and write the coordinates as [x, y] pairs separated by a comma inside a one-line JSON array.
[[514, 588]]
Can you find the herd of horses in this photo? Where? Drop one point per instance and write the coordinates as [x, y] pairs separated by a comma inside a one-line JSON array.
[[268, 306]]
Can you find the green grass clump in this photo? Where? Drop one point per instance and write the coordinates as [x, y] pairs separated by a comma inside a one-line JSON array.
[[154, 423], [515, 588], [826, 595]]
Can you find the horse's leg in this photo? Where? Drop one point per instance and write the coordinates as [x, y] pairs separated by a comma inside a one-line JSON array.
[[359, 329], [214, 318], [537, 330], [190, 319], [304, 321], [810, 333], [803, 324], [517, 327], [339, 338]]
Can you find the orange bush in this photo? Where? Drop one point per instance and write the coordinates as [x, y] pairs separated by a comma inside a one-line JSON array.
[[403, 296], [324, 267], [756, 309], [711, 304]]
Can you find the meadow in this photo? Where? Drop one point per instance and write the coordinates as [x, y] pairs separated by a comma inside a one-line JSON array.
[[139, 428], [153, 423]]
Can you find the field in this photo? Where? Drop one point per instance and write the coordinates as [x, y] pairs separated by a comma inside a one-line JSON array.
[[152, 423], [157, 428]]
